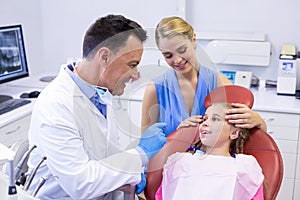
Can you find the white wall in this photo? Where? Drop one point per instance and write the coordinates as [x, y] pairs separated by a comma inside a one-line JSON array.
[[54, 29], [27, 13], [65, 22], [277, 19]]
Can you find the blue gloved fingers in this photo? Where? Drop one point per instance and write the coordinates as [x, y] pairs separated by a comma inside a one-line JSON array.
[[153, 139], [163, 139], [153, 129], [160, 143], [139, 188]]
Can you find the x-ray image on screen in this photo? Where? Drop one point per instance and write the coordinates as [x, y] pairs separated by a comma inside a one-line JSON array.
[[13, 64], [9, 52]]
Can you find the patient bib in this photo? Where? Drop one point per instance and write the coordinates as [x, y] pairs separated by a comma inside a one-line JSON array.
[[188, 176]]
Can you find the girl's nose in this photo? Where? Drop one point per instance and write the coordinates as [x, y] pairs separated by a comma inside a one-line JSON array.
[[205, 122]]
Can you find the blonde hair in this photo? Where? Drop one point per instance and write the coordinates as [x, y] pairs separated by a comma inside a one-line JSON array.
[[236, 145], [173, 26]]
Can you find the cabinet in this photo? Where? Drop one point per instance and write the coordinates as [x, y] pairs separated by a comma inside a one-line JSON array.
[[14, 125], [15, 131], [284, 129], [297, 180]]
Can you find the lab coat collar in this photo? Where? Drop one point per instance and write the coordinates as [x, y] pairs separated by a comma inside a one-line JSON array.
[[78, 94], [84, 86]]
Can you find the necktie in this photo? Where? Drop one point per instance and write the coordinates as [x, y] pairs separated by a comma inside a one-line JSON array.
[[101, 107]]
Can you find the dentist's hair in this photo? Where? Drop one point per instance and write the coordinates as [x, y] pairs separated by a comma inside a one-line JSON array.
[[111, 31]]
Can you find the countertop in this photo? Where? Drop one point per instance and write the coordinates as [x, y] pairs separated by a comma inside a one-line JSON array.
[[266, 99]]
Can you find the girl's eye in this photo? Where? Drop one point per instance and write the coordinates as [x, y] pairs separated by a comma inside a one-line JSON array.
[[215, 119], [204, 119]]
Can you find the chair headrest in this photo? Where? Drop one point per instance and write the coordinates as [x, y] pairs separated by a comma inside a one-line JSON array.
[[230, 94]]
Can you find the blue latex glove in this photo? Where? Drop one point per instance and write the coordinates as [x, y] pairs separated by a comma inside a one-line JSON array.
[[153, 139], [139, 188]]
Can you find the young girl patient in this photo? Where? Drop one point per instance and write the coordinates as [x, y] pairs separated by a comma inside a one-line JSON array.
[[216, 168]]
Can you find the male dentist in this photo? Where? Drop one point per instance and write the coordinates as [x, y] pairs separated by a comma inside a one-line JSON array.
[[73, 125]]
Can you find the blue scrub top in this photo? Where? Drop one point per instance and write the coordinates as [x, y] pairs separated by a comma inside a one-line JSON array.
[[172, 107]]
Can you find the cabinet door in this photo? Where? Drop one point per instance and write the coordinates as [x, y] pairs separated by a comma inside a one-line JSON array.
[[281, 125], [286, 190], [297, 181], [297, 190], [284, 128], [14, 132]]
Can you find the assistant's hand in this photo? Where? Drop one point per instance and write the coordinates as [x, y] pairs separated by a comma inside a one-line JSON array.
[[191, 121], [139, 188], [243, 117], [153, 139]]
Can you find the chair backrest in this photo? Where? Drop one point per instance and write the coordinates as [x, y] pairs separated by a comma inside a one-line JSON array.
[[230, 94], [260, 145]]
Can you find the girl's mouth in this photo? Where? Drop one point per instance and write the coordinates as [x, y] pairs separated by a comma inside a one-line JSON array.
[[205, 132]]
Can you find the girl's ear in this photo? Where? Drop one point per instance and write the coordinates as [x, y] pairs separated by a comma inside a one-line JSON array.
[[234, 134]]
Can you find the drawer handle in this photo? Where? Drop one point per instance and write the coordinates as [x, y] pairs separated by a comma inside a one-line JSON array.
[[270, 132], [12, 131], [269, 120]]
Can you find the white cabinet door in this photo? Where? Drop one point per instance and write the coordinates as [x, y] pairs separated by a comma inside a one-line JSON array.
[[284, 128], [14, 132], [286, 190], [297, 190]]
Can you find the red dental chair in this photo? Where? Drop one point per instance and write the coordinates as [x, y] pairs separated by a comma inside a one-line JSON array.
[[259, 144]]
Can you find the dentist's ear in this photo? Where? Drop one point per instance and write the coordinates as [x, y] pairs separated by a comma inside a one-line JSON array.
[[234, 134], [103, 56]]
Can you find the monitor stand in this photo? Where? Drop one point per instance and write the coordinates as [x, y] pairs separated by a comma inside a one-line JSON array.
[[4, 98]]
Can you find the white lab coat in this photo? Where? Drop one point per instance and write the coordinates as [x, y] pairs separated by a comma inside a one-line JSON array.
[[84, 160]]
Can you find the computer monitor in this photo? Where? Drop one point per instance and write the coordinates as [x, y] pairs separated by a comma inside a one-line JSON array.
[[13, 63]]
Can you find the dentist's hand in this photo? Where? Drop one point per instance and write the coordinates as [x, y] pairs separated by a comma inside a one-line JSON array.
[[139, 188], [153, 139]]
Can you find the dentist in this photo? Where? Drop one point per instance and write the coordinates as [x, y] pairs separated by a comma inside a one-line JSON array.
[[73, 124]]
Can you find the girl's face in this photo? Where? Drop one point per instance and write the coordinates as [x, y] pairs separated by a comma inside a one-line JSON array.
[[215, 131], [179, 53]]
